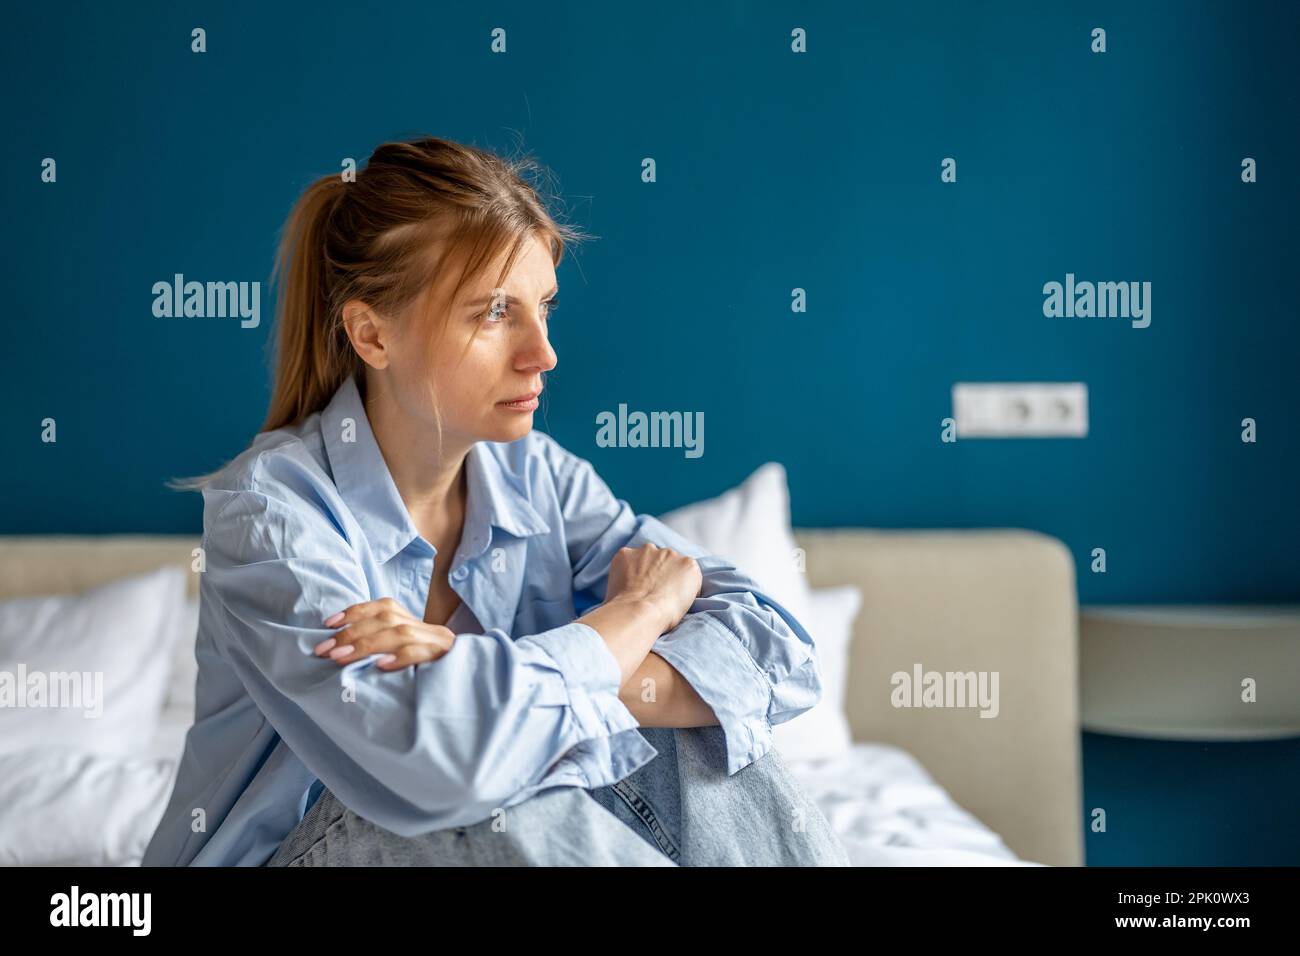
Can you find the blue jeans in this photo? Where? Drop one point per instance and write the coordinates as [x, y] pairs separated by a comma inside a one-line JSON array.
[[680, 809]]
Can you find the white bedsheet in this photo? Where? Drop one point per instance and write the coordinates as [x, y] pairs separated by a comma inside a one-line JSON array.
[[888, 811]]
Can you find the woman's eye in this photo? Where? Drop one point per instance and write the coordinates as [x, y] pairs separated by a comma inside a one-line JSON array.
[[498, 309]]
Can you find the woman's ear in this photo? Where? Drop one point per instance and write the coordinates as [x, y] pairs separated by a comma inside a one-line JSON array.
[[369, 333]]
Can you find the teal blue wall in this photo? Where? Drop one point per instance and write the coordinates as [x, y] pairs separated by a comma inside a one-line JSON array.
[[775, 171], [1191, 803]]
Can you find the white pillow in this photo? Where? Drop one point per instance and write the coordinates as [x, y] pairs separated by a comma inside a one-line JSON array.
[[67, 807], [121, 634], [749, 525], [823, 730]]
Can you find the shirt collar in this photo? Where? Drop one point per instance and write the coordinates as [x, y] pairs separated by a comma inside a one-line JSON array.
[[496, 494]]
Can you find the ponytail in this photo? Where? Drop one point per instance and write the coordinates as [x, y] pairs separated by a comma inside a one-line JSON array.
[[313, 357]]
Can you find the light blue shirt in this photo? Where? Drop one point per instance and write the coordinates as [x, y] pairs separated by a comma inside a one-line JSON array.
[[308, 521]]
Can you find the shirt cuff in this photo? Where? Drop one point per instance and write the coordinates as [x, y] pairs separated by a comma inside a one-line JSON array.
[[611, 745], [715, 663]]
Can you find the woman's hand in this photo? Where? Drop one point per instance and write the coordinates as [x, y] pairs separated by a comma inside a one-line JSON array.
[[650, 590], [384, 627], [667, 579]]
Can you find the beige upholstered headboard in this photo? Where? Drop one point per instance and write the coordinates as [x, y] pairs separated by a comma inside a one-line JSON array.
[[971, 601], [53, 564], [990, 601]]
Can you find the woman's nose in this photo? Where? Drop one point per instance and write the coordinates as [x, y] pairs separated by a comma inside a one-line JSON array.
[[538, 347]]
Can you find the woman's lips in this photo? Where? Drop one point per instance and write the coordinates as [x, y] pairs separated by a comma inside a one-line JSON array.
[[527, 405]]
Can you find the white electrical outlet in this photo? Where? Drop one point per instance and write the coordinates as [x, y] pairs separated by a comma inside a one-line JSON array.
[[1020, 409]]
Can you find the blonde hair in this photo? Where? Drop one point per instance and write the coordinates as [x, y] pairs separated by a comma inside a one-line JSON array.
[[416, 211]]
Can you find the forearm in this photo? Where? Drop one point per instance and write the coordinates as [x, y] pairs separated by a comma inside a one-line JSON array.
[[629, 629], [659, 696], [652, 689]]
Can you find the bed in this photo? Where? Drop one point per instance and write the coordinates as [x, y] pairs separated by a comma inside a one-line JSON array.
[[914, 786]]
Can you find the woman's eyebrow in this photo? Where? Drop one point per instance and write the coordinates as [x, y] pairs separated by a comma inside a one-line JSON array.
[[510, 299]]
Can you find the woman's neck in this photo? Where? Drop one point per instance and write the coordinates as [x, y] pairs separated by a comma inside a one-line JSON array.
[[432, 480]]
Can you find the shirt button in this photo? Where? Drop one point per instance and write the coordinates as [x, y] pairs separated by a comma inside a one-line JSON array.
[[460, 573]]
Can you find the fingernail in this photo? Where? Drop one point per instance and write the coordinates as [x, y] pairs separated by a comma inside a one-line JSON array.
[[325, 645], [333, 619], [343, 651], [387, 659]]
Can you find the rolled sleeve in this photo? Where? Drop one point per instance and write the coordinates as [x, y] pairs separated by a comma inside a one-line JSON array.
[[712, 660], [611, 746]]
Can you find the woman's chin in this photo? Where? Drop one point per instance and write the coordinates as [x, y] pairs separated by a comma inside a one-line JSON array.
[[510, 425]]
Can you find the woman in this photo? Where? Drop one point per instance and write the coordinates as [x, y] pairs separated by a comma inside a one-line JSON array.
[[390, 668]]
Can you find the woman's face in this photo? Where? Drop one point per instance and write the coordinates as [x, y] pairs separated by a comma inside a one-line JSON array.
[[504, 361]]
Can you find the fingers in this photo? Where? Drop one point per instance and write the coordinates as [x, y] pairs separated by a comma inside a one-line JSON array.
[[384, 611], [410, 655], [363, 627], [358, 612], [356, 644], [396, 654], [383, 626]]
